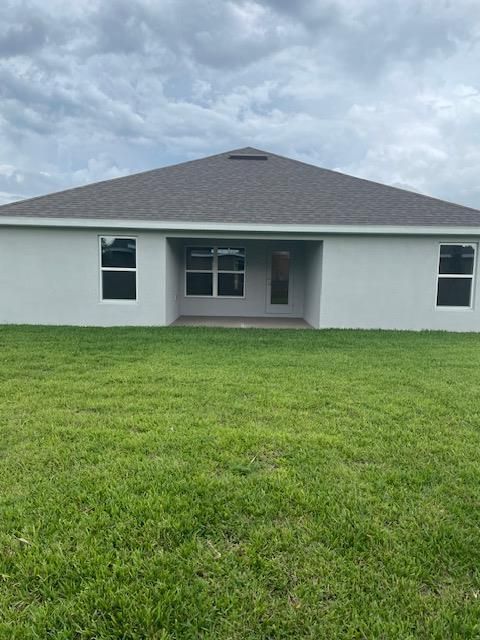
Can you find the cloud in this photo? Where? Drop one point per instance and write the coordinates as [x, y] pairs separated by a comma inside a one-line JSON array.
[[21, 32], [385, 90]]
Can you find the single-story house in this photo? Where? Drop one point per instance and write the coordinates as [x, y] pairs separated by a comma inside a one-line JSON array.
[[247, 235]]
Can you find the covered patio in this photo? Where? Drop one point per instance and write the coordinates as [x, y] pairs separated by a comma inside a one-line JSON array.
[[243, 282]]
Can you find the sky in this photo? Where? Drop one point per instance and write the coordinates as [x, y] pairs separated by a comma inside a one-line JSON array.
[[382, 89]]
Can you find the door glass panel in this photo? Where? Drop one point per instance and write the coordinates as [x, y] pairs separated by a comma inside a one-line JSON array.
[[280, 276]]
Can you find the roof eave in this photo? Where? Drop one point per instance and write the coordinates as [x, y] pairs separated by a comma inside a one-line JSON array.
[[181, 226]]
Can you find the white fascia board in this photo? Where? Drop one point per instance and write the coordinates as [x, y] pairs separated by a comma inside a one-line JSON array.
[[247, 228]]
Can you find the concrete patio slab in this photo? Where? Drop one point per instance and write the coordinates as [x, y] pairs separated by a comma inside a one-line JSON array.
[[241, 323]]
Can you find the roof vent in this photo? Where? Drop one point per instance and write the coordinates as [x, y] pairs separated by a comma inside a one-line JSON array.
[[247, 156]]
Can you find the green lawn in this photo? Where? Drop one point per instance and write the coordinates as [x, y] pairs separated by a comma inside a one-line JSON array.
[[239, 484]]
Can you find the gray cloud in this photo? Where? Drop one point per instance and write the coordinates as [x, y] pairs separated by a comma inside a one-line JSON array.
[[384, 90], [21, 32], [24, 38]]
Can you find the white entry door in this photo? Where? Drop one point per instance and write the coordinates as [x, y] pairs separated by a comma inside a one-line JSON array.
[[279, 282]]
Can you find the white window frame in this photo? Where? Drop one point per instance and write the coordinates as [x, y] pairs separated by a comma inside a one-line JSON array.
[[130, 269], [215, 271], [472, 275]]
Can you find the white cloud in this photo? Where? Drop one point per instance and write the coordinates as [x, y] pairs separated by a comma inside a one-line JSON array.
[[384, 90]]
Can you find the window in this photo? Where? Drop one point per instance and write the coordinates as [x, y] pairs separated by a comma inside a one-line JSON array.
[[455, 275], [215, 271], [199, 271], [118, 262], [231, 272]]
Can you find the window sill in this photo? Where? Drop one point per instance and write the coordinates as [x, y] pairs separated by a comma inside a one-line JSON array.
[[445, 308], [120, 302], [216, 297]]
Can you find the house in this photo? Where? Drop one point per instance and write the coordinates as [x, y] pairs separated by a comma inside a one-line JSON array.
[[245, 234]]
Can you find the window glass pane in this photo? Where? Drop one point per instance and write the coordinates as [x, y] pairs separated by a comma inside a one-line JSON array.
[[230, 284], [231, 259], [200, 258], [199, 284], [119, 285], [456, 258], [454, 292], [118, 252]]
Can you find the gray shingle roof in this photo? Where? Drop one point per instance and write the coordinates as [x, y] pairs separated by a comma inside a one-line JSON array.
[[221, 189]]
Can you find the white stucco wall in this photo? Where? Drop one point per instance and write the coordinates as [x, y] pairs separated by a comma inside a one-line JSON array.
[[51, 276], [313, 282], [173, 275], [388, 283]]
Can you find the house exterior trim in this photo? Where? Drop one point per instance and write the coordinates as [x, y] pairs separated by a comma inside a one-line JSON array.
[[176, 228]]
